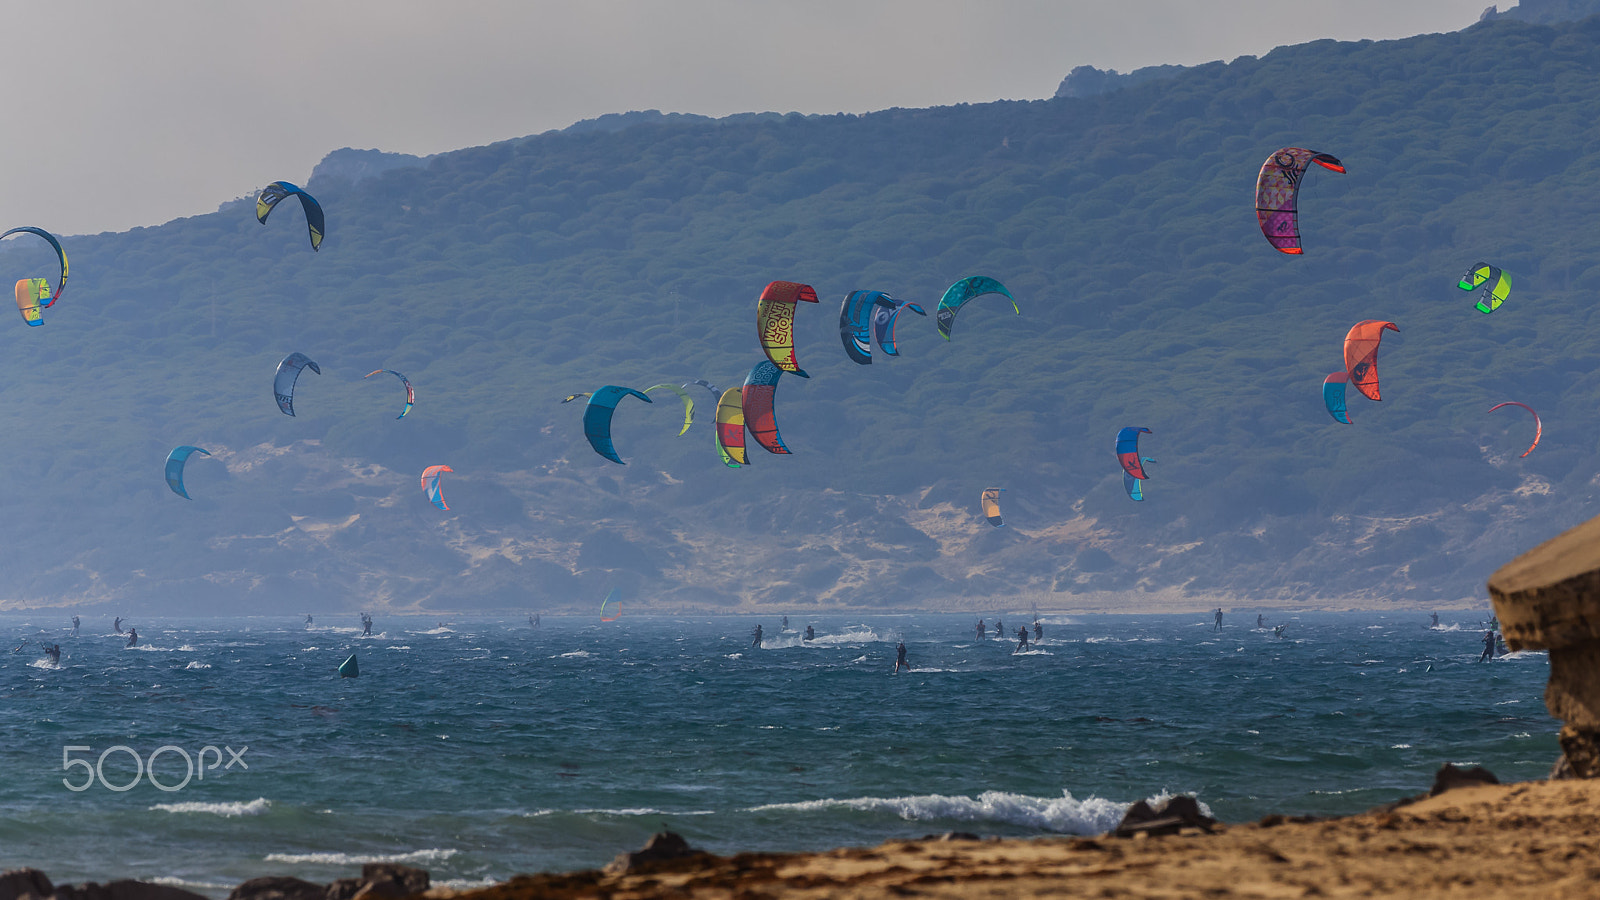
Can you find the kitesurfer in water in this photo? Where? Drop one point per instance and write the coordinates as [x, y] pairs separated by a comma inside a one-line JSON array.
[[1488, 646], [756, 635], [366, 624], [811, 633], [1277, 632], [785, 623], [1038, 631], [1022, 639], [1261, 621], [533, 620], [900, 657], [133, 637], [116, 625], [74, 626], [1435, 620], [981, 630], [54, 652], [1218, 626], [999, 630]]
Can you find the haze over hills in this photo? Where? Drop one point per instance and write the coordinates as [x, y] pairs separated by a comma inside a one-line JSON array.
[[501, 278]]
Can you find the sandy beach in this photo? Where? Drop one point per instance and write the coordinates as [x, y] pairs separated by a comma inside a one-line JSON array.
[[1533, 839]]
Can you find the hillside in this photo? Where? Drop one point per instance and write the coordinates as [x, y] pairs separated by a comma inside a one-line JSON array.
[[502, 278]]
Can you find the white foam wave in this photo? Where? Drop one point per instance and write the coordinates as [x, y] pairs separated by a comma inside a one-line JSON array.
[[458, 884], [1057, 620], [179, 882], [229, 810], [336, 629], [931, 670], [440, 630], [196, 664], [855, 634], [576, 654], [397, 647], [1033, 653], [152, 648], [44, 664], [1454, 626], [361, 859], [1065, 814]]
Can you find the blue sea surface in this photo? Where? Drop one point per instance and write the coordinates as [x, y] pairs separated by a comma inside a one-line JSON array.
[[480, 748]]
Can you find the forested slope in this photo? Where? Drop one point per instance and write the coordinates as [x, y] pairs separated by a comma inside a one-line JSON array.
[[502, 278]]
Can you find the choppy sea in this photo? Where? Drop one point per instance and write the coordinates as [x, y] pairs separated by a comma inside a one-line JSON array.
[[480, 748]]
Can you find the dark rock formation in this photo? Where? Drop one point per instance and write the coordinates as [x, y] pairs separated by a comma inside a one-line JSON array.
[[278, 887], [123, 890], [1171, 817], [1448, 778], [660, 848], [17, 883]]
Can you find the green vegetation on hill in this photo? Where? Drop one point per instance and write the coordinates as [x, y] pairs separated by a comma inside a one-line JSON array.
[[502, 278]]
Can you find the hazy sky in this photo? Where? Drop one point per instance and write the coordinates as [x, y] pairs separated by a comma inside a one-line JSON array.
[[122, 114]]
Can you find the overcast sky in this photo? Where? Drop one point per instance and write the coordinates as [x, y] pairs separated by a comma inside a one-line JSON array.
[[132, 113]]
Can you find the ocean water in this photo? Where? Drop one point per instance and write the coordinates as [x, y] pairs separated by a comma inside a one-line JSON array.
[[481, 748]]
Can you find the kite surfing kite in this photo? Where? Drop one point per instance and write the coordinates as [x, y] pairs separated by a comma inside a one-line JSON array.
[[874, 313], [597, 419], [33, 294], [990, 501], [884, 314], [855, 322], [775, 322], [613, 600], [1333, 396], [288, 373], [715, 393], [1361, 354], [688, 403], [1538, 426], [755, 400], [1134, 486], [175, 463], [430, 483], [730, 429], [278, 190], [1278, 194], [411, 395], [1493, 286], [959, 293], [1128, 450]]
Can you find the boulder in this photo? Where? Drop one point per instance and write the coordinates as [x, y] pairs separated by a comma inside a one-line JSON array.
[[278, 887], [124, 889], [18, 883], [660, 847], [1549, 599], [1449, 777], [1170, 817]]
